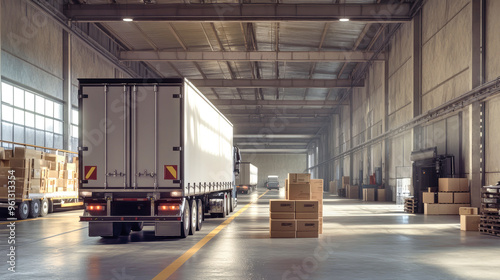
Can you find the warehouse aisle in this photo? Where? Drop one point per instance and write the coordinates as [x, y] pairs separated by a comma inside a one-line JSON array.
[[360, 241]]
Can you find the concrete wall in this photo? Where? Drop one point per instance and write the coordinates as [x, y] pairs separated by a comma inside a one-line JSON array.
[[276, 164], [446, 49], [492, 106], [32, 53], [31, 49]]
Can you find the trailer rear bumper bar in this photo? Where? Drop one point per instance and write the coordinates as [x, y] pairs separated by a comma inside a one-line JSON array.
[[128, 219]]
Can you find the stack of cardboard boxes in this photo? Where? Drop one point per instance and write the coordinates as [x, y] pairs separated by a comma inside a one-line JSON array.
[[452, 194], [469, 219], [301, 212], [351, 191], [36, 172], [372, 194]]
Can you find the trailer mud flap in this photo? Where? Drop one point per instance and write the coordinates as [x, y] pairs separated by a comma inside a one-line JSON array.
[[168, 229], [104, 229]]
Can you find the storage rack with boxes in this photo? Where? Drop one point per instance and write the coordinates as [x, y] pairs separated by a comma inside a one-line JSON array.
[[42, 180], [490, 210], [452, 194], [301, 213]]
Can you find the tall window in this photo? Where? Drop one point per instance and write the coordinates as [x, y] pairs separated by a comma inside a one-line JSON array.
[[30, 118], [74, 130]]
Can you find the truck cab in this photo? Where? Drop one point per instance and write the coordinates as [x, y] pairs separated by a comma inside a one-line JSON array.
[[272, 182]]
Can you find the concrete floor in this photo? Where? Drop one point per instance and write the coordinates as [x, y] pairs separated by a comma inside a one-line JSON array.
[[360, 241]]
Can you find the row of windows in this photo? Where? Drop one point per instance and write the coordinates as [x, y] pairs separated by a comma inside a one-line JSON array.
[[33, 119]]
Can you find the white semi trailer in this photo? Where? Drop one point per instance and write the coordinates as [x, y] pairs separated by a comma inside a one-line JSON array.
[[153, 152], [246, 181]]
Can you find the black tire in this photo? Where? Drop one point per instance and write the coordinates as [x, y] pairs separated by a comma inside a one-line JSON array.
[[224, 207], [126, 227], [44, 208], [23, 210], [34, 208], [193, 216], [185, 223], [230, 202], [199, 222], [137, 226], [51, 206]]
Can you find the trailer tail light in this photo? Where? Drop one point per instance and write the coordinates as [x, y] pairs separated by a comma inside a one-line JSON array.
[[96, 208], [168, 209]]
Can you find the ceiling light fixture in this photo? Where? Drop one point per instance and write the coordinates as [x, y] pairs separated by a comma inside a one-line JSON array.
[[128, 19], [343, 19]]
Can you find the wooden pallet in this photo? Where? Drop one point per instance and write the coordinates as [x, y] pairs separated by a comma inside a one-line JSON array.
[[411, 205], [490, 224]]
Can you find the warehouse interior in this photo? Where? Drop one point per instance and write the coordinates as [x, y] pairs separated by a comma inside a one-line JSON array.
[[339, 89]]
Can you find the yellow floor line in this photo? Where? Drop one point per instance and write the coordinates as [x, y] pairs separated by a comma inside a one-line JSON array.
[[169, 270]]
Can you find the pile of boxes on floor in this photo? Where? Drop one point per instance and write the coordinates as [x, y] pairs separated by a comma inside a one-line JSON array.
[[36, 172], [469, 219], [301, 213], [452, 194]]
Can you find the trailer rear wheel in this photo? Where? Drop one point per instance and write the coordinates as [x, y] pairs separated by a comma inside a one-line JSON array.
[[35, 208], [194, 216], [228, 202], [185, 223], [126, 227], [137, 226], [44, 208], [224, 207], [199, 223], [23, 210]]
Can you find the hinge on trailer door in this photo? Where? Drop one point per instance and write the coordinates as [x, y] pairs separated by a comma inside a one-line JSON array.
[[80, 95], [83, 149], [177, 96], [177, 148]]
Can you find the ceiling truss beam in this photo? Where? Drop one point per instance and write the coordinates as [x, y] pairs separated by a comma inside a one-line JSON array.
[[274, 83], [240, 12], [266, 56], [232, 102]]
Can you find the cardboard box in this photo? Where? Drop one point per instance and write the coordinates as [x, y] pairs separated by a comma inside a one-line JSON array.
[[61, 189], [306, 215], [345, 180], [464, 185], [470, 222], [461, 197], [22, 152], [54, 158], [468, 211], [61, 183], [320, 209], [445, 197], [306, 206], [282, 224], [299, 191], [9, 154], [281, 205], [307, 225], [429, 197], [369, 194], [70, 166], [282, 215], [317, 196], [286, 188], [353, 192], [282, 234], [295, 178], [4, 163], [36, 173], [453, 185], [320, 225], [333, 187], [17, 162], [53, 166], [433, 189], [2, 153], [53, 174], [307, 234], [66, 174], [450, 209], [431, 209], [381, 195], [316, 185], [35, 186]]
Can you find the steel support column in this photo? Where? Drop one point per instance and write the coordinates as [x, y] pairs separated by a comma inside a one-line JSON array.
[[476, 113], [67, 90]]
